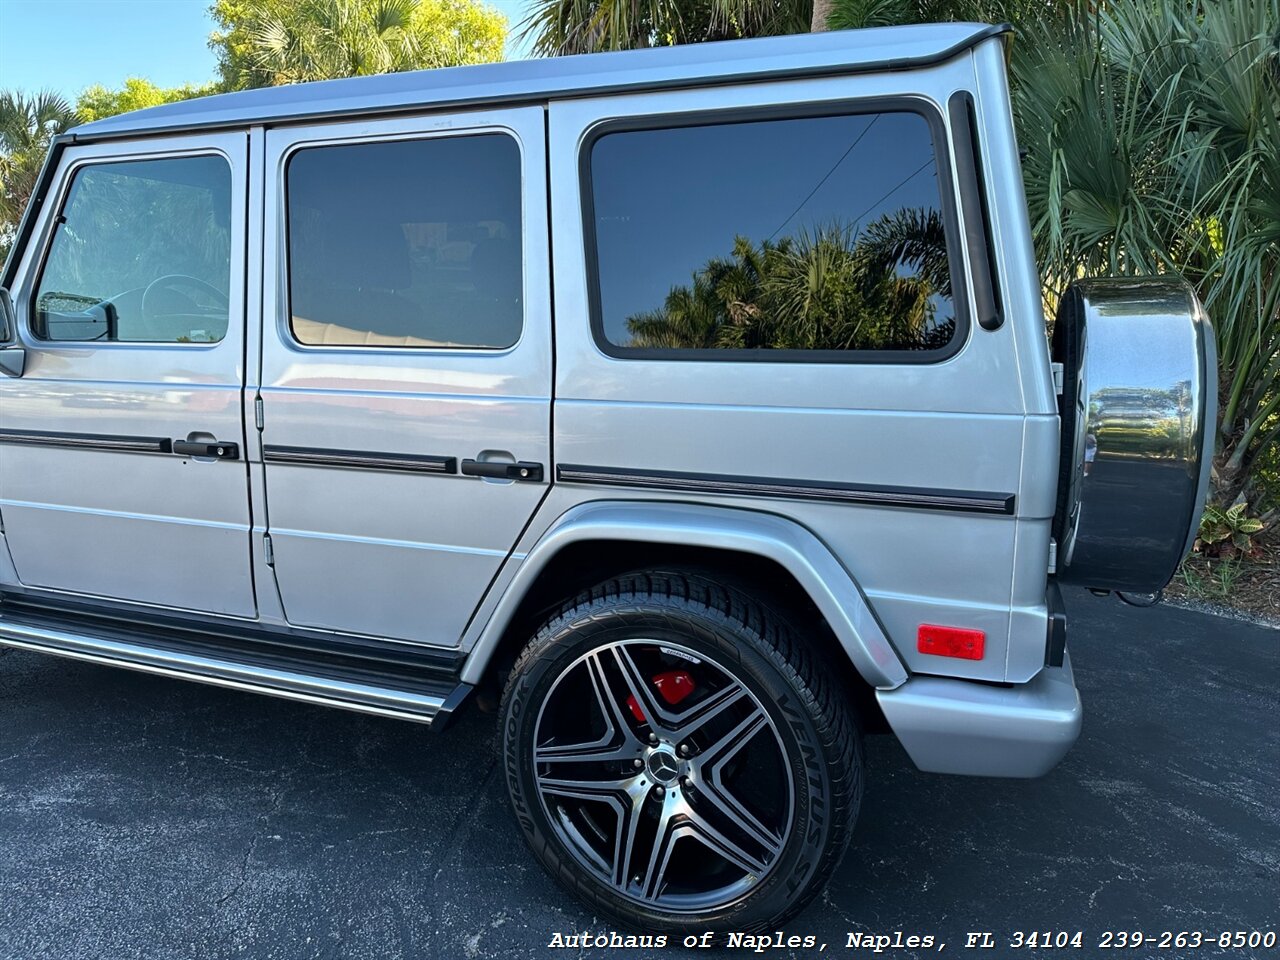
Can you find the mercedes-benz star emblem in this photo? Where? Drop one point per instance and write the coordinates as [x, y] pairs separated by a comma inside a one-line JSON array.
[[663, 766]]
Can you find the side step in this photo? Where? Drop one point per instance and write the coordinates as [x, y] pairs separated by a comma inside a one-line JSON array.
[[180, 654]]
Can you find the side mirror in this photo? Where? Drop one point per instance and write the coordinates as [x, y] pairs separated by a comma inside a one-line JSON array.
[[13, 355]]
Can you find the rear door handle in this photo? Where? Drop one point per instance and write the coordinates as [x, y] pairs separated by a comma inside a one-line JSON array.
[[213, 449], [502, 470]]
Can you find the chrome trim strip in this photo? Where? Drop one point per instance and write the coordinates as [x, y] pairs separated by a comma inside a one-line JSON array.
[[1002, 504], [359, 697], [87, 441], [359, 460]]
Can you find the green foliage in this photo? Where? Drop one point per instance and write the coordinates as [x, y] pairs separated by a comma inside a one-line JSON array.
[[268, 42], [1231, 529], [27, 124], [822, 291], [855, 14], [1152, 133], [98, 101], [590, 26], [1214, 580]]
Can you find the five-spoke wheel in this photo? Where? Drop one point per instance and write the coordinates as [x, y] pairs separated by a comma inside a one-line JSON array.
[[663, 774], [670, 749]]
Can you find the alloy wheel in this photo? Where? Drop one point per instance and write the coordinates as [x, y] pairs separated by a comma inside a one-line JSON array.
[[663, 774]]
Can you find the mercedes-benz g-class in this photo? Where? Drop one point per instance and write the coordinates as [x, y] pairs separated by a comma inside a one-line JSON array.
[[699, 398]]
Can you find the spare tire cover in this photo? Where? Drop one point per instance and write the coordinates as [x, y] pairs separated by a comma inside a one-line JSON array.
[[1138, 408]]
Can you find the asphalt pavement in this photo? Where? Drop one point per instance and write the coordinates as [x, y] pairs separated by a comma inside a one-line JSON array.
[[148, 818]]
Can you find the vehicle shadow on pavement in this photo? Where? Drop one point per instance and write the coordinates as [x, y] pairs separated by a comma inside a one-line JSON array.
[[143, 817]]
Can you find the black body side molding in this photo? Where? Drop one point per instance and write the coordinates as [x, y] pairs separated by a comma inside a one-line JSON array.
[[921, 498]]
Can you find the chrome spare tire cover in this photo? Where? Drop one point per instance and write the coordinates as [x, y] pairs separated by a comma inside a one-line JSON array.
[[1139, 408]]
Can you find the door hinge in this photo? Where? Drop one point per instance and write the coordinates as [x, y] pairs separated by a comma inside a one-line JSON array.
[[1053, 555], [267, 549], [1057, 377], [257, 411]]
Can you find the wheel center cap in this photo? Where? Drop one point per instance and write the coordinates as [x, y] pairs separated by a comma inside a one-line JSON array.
[[663, 766]]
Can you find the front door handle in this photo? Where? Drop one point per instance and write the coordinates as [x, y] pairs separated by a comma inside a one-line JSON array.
[[212, 449], [502, 469]]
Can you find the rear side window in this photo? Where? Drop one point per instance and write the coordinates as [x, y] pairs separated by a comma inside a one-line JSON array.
[[141, 252], [798, 238], [411, 243]]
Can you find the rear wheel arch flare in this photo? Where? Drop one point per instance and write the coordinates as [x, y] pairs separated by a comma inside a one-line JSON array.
[[594, 541]]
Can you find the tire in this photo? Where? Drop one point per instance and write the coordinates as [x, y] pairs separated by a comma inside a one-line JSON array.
[[767, 778]]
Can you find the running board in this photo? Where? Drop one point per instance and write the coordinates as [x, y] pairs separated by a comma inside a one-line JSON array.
[[430, 702]]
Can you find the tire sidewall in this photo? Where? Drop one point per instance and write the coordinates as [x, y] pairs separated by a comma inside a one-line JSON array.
[[733, 648]]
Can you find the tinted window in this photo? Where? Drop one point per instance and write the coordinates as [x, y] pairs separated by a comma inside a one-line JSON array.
[[142, 252], [414, 243], [822, 233]]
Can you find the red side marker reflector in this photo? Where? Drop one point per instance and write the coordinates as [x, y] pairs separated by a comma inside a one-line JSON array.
[[951, 642], [674, 685]]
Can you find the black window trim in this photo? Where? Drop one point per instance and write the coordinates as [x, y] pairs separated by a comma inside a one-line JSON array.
[[50, 233], [961, 296], [988, 307], [286, 302]]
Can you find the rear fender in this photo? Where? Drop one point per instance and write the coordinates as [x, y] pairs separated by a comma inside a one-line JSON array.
[[828, 584]]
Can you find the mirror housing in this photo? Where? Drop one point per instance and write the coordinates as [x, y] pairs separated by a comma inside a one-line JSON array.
[[13, 355]]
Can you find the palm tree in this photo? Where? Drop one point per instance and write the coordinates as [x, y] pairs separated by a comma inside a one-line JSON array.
[[823, 290], [275, 42], [590, 26], [27, 124], [334, 38], [913, 237]]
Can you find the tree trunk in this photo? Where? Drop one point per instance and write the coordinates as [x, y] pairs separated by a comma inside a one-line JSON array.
[[821, 11]]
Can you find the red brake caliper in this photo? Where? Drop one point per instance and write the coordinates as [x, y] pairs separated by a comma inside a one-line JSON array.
[[673, 686]]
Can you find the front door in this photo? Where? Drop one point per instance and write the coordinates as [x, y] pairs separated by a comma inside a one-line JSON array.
[[121, 448], [406, 365]]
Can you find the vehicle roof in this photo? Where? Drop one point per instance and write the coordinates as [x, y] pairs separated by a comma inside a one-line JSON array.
[[837, 51]]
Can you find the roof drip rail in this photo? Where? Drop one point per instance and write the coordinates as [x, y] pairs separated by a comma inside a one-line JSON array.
[[832, 53]]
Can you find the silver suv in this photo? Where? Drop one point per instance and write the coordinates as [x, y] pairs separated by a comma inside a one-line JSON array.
[[697, 398]]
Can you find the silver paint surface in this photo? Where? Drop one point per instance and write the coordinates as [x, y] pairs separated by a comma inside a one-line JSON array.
[[949, 726]]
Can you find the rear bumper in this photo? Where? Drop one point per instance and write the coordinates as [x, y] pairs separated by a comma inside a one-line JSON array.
[[984, 730]]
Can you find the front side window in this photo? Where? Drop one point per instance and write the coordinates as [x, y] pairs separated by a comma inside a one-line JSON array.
[[410, 243], [811, 234], [141, 252]]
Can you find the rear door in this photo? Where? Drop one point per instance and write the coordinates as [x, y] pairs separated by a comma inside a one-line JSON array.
[[121, 467], [406, 365]]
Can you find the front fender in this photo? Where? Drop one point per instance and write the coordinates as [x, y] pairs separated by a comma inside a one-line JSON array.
[[828, 584]]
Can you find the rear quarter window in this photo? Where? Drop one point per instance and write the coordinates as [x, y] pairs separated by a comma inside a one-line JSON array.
[[796, 238]]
